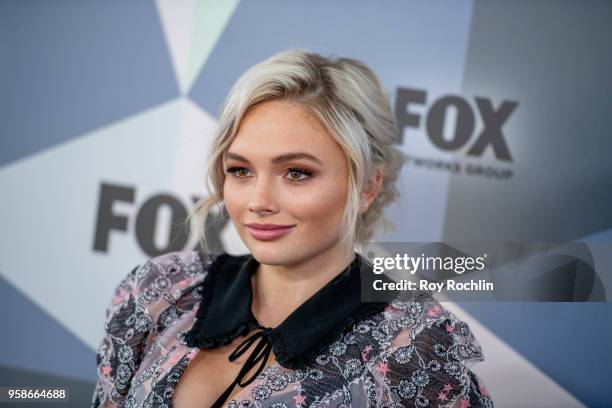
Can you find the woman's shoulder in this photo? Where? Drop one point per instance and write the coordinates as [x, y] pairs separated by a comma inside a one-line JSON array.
[[148, 300], [403, 319], [167, 276], [423, 313], [176, 265], [154, 293], [422, 353], [411, 352]]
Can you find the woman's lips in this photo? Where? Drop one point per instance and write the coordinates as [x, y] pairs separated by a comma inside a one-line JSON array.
[[269, 234]]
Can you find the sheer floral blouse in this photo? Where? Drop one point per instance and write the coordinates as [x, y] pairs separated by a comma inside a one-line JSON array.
[[333, 351]]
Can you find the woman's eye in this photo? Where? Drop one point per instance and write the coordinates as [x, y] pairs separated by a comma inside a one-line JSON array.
[[296, 174], [293, 174], [238, 171]]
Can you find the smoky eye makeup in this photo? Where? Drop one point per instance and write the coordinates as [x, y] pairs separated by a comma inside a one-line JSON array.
[[294, 174], [306, 174]]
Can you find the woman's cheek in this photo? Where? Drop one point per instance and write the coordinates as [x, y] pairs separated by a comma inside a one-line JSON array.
[[320, 209], [233, 199]]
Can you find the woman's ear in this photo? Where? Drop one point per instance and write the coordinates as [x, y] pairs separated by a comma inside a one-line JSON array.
[[371, 189]]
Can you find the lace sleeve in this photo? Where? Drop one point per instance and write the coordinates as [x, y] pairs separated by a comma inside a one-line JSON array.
[[126, 330], [427, 363]]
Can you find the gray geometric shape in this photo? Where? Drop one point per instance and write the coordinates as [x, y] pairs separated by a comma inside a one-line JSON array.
[[33, 340], [69, 67], [555, 59], [391, 42], [570, 342]]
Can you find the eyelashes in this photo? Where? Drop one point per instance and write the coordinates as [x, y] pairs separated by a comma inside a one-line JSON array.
[[303, 173]]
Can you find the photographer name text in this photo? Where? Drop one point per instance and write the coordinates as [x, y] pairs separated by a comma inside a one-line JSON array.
[[424, 284]]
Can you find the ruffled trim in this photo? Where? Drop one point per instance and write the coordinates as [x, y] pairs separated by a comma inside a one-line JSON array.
[[194, 340], [196, 336], [309, 356]]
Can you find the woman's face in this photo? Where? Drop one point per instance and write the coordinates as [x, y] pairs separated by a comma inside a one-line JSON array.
[[284, 169]]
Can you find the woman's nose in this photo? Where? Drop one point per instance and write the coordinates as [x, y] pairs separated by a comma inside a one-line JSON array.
[[262, 196]]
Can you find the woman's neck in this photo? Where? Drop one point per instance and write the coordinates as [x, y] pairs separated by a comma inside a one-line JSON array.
[[280, 289]]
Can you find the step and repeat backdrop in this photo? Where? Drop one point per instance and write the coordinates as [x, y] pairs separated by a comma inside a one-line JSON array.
[[107, 110]]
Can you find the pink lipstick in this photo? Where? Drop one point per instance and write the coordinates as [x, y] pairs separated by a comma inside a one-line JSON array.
[[268, 232]]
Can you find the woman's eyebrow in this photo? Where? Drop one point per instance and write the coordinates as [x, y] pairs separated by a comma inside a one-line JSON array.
[[278, 159]]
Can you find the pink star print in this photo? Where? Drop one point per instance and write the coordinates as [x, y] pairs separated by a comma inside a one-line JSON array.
[[120, 297], [383, 368], [299, 399], [106, 370], [442, 396], [450, 328], [464, 404], [433, 312], [447, 387], [364, 353], [484, 391]]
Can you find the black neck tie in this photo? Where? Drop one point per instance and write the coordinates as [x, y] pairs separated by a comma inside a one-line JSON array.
[[260, 353]]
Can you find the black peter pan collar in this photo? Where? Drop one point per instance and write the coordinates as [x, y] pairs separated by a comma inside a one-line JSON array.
[[225, 311]]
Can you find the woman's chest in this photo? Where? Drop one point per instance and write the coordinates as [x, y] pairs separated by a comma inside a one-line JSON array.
[[211, 373], [174, 374], [190, 377]]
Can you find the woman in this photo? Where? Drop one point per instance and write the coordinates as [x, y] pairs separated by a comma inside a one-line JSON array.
[[304, 163]]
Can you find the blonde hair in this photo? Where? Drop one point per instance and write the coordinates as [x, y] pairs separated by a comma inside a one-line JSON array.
[[347, 97]]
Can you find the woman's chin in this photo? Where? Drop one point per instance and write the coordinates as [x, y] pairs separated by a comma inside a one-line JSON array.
[[275, 253]]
